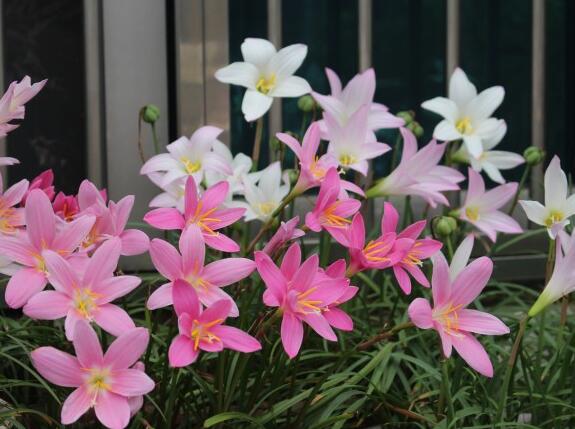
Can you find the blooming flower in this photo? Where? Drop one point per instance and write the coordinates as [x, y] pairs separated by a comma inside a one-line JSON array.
[[204, 330], [241, 166], [330, 212], [188, 265], [102, 381], [66, 206], [466, 114], [287, 231], [205, 212], [334, 315], [266, 74], [450, 317], [313, 168], [491, 161], [13, 101], [481, 208], [420, 249], [173, 195], [559, 207], [41, 234], [419, 173], [45, 182], [189, 157], [11, 217], [86, 295], [343, 103], [353, 144], [301, 294]]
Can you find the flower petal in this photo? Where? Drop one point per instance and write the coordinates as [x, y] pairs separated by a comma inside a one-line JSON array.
[[471, 281], [47, 305], [57, 367], [255, 105], [420, 313], [87, 345], [75, 405], [236, 339], [291, 334], [443, 107], [239, 73], [182, 352], [166, 259], [480, 322], [112, 410], [473, 353], [227, 271], [127, 348], [113, 319], [131, 382], [23, 285], [165, 218]]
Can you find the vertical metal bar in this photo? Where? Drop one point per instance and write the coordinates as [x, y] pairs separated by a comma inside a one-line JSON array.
[[538, 92], [452, 60], [275, 36], [95, 113], [364, 34], [2, 140]]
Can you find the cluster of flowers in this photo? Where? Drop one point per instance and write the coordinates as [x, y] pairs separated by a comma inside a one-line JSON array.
[[74, 242]]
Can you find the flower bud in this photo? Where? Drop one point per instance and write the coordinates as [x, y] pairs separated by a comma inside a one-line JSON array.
[[407, 115], [306, 103], [444, 226], [533, 155], [415, 128], [275, 144], [150, 113]]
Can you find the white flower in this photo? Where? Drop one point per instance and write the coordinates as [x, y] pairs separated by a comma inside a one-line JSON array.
[[558, 206], [467, 114], [189, 157], [263, 198], [266, 74], [173, 195], [491, 161]]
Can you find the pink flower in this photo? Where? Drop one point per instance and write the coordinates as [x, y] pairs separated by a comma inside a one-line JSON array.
[[203, 330], [102, 381], [481, 208], [85, 295], [330, 213], [313, 168], [414, 255], [383, 252], [302, 294], [335, 316], [450, 317], [343, 103], [287, 231], [11, 217], [66, 206], [6, 160], [206, 212], [189, 266], [45, 182], [13, 100], [41, 234], [419, 173], [136, 402]]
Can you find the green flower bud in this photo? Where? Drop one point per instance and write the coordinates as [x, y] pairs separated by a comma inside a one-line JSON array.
[[407, 115], [275, 144], [306, 103], [533, 155], [415, 128], [444, 226], [150, 113]]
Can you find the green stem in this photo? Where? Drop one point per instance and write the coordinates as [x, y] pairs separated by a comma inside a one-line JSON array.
[[445, 393], [384, 335], [172, 398], [396, 150], [524, 178], [257, 143], [324, 247], [155, 138]]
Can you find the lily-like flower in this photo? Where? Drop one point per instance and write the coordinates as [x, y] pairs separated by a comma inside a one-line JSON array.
[[26, 248], [301, 295], [189, 157], [173, 195], [467, 115], [419, 173], [313, 168], [353, 144], [263, 198], [188, 265], [204, 330], [66, 206], [449, 316], [491, 161], [241, 166], [13, 101], [266, 74], [414, 256], [331, 213], [105, 382], [481, 208], [286, 232], [559, 206], [206, 212], [343, 103], [12, 217], [334, 315], [45, 182], [86, 296]]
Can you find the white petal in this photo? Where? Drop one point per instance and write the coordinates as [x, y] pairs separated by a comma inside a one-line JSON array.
[[555, 185], [257, 51], [255, 105], [483, 106], [287, 61], [461, 257], [461, 90], [487, 129], [242, 74], [503, 160], [293, 86], [495, 139], [493, 172], [535, 211], [474, 145], [442, 106], [446, 131]]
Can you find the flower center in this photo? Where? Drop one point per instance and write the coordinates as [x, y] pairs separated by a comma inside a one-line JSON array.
[[317, 170], [346, 159], [267, 208], [266, 84], [463, 125], [376, 250], [449, 318], [98, 381], [201, 332], [412, 258], [6, 219], [92, 237], [305, 305], [190, 166], [85, 302], [555, 216], [331, 219], [203, 219], [472, 213]]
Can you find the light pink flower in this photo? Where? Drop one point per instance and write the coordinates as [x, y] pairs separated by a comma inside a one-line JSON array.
[[313, 168], [481, 208], [11, 217], [6, 160], [334, 315], [330, 212], [343, 103], [41, 234], [419, 173], [206, 212], [45, 182], [420, 249], [189, 266], [13, 100], [287, 231], [85, 295], [450, 317], [104, 382], [381, 253], [137, 402], [301, 293], [204, 330]]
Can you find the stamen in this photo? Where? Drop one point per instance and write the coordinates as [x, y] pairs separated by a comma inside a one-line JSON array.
[[265, 85], [464, 126]]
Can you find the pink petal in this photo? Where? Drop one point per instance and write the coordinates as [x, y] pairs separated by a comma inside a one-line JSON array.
[[236, 339], [103, 262], [134, 242], [165, 218], [357, 232], [480, 322], [402, 279], [60, 274], [420, 313], [446, 343], [221, 242], [214, 346], [72, 317], [40, 219], [389, 219], [291, 261], [57, 367], [190, 197], [47, 305], [413, 230], [476, 188], [213, 294], [292, 143], [291, 334], [131, 382], [127, 348], [87, 345], [14, 193], [473, 353], [215, 196], [166, 259], [161, 297], [227, 271], [113, 319], [498, 196], [417, 274], [306, 272], [181, 352], [193, 250], [112, 410], [219, 310], [18, 249], [75, 405], [226, 217], [471, 281], [320, 325], [440, 283], [339, 319], [23, 285], [72, 234], [185, 299], [271, 275], [115, 287]]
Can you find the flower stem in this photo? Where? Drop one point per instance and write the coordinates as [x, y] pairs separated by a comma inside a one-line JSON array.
[[524, 178], [257, 143], [445, 393], [155, 138], [384, 335]]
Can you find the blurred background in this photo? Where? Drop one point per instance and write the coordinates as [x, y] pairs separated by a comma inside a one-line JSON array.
[[107, 58]]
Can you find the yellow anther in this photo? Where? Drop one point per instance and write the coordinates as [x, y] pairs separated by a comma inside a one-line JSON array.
[[555, 216], [464, 126], [472, 213], [190, 166], [266, 84], [347, 159]]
